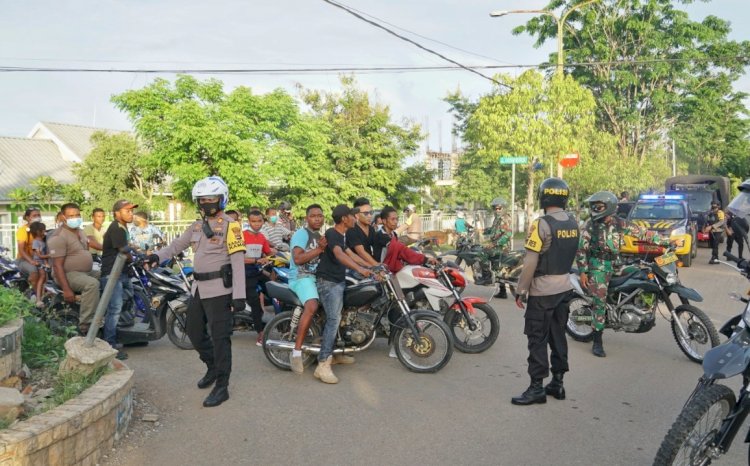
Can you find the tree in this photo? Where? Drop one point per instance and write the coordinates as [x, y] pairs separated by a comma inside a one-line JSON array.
[[648, 59]]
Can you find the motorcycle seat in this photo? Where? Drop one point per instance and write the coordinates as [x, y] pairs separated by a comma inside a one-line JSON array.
[[617, 281], [283, 293]]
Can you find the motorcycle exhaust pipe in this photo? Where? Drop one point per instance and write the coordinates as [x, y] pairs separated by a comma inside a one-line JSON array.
[[289, 345]]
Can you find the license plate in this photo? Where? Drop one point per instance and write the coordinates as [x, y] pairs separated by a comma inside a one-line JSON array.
[[666, 259]]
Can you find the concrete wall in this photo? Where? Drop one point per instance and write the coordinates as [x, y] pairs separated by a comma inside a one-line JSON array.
[[10, 348]]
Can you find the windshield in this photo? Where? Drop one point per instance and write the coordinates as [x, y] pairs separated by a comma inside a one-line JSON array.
[[699, 201], [740, 206], [648, 211]]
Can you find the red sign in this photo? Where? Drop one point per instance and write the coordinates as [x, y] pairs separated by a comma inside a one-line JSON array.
[[570, 160]]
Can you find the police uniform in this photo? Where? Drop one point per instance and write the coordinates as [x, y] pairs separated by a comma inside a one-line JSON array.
[[224, 250]]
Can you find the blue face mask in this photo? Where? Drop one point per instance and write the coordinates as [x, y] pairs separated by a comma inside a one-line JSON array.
[[274, 218], [74, 223]]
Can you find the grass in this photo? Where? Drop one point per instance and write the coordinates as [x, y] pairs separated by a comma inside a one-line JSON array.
[[41, 347], [12, 305], [70, 385]]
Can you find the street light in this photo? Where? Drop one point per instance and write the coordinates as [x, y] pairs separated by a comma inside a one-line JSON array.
[[560, 23]]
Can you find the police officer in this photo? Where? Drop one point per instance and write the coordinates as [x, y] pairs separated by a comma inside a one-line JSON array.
[[219, 275], [544, 286], [499, 234], [598, 255], [715, 228]]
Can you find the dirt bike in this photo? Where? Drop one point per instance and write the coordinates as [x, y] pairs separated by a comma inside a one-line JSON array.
[[422, 341], [713, 415], [632, 302], [473, 322]]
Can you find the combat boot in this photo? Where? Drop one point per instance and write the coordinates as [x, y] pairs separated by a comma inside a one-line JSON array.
[[208, 379], [486, 278], [598, 348], [555, 387], [534, 394], [324, 372], [218, 395], [502, 293], [342, 359]]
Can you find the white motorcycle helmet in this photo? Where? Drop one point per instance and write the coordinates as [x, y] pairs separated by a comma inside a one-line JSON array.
[[460, 214], [212, 186]]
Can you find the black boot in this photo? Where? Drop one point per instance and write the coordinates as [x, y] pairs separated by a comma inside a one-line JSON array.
[[486, 278], [598, 348], [555, 387], [534, 394], [502, 293], [218, 395], [207, 379]]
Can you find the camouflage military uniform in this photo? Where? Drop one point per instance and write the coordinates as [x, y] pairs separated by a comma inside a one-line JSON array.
[[599, 254], [499, 237]]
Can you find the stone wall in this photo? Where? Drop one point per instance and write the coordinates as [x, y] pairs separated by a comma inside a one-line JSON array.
[[11, 335], [78, 432]]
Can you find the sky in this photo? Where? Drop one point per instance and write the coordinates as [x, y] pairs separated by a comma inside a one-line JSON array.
[[263, 34]]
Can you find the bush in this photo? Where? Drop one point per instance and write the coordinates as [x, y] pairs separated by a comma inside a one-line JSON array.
[[12, 305], [41, 347]]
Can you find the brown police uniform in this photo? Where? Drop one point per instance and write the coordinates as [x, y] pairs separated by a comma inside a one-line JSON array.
[[211, 298]]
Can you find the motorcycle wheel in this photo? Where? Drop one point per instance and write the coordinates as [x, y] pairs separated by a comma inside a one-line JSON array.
[[176, 330], [580, 330], [279, 329], [702, 334], [432, 352], [687, 442], [242, 322], [479, 340]]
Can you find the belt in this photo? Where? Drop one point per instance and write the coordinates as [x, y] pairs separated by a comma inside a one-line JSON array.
[[207, 276]]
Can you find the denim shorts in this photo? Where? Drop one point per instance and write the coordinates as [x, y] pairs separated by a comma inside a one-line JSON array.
[[305, 289]]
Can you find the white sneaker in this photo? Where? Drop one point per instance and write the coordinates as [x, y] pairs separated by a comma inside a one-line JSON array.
[[392, 352], [298, 366]]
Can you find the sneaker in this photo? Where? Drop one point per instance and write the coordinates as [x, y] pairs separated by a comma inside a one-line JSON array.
[[342, 359], [259, 341], [713, 261], [121, 355], [392, 352], [298, 367]]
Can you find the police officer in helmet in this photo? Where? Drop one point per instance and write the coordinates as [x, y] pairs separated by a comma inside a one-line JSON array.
[[219, 286], [740, 210], [544, 287]]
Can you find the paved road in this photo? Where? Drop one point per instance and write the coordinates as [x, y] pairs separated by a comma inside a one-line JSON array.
[[617, 412]]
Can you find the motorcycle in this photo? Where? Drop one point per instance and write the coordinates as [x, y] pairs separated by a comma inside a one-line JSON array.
[[422, 341], [473, 322], [506, 268], [713, 415], [632, 302]]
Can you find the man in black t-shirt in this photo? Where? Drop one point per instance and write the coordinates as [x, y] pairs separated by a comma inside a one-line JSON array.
[[115, 239], [331, 282], [361, 237]]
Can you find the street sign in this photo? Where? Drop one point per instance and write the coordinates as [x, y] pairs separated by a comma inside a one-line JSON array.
[[570, 160], [512, 160]]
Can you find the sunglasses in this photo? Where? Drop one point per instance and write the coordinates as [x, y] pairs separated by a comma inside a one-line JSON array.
[[598, 207], [365, 212]]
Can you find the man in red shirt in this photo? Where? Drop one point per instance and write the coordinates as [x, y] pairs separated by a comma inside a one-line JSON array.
[[397, 253], [256, 248]]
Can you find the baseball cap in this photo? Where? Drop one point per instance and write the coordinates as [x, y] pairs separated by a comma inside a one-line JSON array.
[[123, 204], [341, 211]]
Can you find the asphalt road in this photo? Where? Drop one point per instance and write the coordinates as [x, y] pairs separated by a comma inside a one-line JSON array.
[[618, 409]]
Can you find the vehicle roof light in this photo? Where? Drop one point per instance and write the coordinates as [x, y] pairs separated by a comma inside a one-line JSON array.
[[662, 197]]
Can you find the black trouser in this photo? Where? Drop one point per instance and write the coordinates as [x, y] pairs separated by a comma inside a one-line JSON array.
[[714, 238], [546, 317], [253, 299], [216, 350], [740, 245]]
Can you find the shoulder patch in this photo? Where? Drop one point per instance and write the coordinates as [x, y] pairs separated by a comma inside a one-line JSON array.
[[533, 240], [235, 241]]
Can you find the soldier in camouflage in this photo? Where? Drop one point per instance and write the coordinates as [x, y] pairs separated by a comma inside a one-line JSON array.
[[499, 237], [598, 254]]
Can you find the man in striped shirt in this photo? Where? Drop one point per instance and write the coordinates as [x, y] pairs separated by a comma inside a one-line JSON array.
[[276, 234]]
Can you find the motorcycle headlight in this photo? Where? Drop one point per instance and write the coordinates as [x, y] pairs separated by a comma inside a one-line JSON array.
[[679, 231], [671, 278]]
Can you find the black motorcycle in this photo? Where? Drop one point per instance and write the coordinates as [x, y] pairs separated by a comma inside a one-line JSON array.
[[713, 415], [632, 304], [422, 341]]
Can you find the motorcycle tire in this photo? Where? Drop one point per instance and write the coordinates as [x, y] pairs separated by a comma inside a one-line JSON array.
[[479, 340], [176, 331], [432, 352], [580, 331], [688, 438], [700, 329], [242, 322], [279, 329]]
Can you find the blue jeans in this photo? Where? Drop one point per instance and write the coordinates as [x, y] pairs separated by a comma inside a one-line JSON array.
[[332, 299], [114, 308]]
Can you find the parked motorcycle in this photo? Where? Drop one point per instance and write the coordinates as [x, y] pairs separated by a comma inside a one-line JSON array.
[[372, 308], [713, 415], [632, 302], [473, 322]]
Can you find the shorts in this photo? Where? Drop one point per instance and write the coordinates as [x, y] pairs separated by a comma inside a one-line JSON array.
[[305, 289], [26, 267]]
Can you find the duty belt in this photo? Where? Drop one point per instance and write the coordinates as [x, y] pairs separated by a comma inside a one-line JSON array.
[[207, 276]]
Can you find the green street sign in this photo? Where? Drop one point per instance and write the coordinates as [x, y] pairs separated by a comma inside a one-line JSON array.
[[510, 160]]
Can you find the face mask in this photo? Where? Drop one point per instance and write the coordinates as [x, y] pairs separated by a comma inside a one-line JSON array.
[[209, 210], [274, 218], [35, 219], [74, 223]]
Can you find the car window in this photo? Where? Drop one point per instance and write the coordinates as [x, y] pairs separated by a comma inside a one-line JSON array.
[[648, 211]]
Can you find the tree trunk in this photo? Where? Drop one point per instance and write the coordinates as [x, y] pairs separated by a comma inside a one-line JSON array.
[[529, 196]]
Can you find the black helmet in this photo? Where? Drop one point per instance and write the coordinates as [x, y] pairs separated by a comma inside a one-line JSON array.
[[498, 201], [553, 192], [285, 205], [604, 197]]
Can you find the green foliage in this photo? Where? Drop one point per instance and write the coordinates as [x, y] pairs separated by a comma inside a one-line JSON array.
[[41, 347], [640, 103], [20, 198], [12, 305], [71, 384]]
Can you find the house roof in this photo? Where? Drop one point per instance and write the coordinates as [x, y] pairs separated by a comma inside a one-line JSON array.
[[24, 159], [77, 138]]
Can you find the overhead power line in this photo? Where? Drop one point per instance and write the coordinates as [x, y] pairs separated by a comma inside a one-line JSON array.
[[417, 44]]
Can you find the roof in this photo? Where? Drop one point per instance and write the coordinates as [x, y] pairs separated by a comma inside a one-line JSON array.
[[77, 138], [23, 159]]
